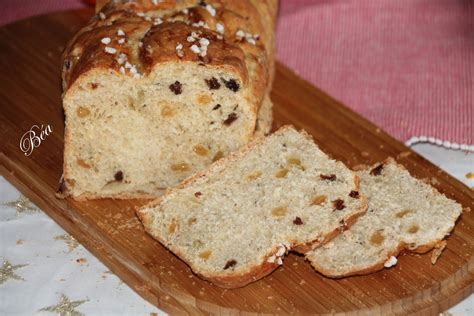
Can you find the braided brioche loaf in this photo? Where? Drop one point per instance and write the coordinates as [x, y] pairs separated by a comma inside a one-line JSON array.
[[155, 91]]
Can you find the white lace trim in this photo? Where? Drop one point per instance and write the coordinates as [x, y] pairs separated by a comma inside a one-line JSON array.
[[443, 143]]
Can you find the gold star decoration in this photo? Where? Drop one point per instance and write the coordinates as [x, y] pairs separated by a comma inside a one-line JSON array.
[[65, 307], [70, 241], [7, 272], [22, 205]]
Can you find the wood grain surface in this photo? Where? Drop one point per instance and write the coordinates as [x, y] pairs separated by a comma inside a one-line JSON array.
[[30, 94]]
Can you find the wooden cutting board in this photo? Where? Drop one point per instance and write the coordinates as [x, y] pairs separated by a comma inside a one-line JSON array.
[[30, 94]]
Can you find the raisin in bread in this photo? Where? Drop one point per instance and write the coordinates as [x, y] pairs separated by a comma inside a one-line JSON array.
[[233, 223], [403, 213], [155, 91]]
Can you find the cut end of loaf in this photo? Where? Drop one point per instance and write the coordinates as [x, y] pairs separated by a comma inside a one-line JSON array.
[[154, 92], [244, 213], [133, 137], [403, 213]]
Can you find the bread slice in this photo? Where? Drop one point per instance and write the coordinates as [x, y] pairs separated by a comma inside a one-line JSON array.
[[403, 213], [265, 117], [233, 223], [157, 91]]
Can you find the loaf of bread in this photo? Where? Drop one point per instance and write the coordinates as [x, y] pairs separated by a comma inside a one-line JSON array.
[[403, 213], [234, 222], [155, 91]]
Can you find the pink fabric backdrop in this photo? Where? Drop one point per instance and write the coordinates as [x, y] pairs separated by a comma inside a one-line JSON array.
[[407, 65]]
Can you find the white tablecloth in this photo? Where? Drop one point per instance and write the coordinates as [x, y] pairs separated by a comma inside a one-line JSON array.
[[44, 271]]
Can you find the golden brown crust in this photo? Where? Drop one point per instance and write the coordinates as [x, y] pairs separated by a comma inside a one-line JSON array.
[[402, 248], [166, 36], [374, 268], [152, 32], [137, 195], [236, 281]]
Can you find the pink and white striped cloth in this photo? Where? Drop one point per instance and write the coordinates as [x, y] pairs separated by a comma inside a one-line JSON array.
[[407, 65]]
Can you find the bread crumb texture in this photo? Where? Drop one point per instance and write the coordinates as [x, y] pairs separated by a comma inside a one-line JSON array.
[[244, 212], [402, 212], [159, 90]]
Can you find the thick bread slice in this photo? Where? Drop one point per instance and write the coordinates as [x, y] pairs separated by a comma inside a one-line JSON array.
[[404, 213], [234, 222]]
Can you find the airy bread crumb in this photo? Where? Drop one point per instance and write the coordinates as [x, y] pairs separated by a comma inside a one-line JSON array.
[[403, 213], [144, 86], [247, 217]]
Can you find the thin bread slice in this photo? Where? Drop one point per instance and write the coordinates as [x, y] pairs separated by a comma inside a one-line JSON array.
[[233, 223], [403, 213]]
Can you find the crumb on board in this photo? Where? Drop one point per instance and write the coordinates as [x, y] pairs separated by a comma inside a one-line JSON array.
[[403, 154], [437, 251], [81, 260]]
